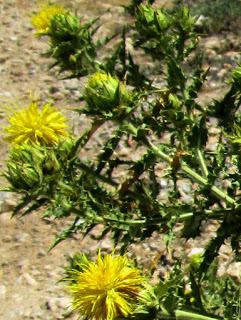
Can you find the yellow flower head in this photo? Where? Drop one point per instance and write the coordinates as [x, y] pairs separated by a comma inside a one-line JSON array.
[[42, 20], [46, 126], [105, 289], [98, 77]]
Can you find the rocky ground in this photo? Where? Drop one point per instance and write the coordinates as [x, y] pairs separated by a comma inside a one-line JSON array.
[[28, 272]]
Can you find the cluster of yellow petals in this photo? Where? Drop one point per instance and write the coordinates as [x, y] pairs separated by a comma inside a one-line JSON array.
[[42, 20], [98, 78], [45, 126], [106, 289]]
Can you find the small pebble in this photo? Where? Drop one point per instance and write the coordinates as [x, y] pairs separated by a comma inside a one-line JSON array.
[[29, 279]]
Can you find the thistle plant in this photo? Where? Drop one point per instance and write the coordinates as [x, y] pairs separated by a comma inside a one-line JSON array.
[[157, 117]]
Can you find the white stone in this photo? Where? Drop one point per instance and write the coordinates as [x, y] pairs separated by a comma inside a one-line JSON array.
[[3, 291], [30, 280]]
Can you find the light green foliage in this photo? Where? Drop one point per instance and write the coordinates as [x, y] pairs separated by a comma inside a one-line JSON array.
[[164, 123]]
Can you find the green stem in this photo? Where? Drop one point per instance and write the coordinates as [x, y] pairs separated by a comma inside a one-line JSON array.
[[128, 222], [211, 214], [185, 168], [89, 133], [215, 190], [202, 163], [184, 315], [194, 175], [154, 221]]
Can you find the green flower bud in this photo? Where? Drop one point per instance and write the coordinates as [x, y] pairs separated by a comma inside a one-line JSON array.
[[21, 177], [152, 21], [28, 164], [103, 93], [63, 26], [27, 153], [71, 44]]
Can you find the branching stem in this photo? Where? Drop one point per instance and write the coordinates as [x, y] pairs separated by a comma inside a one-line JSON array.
[[194, 175]]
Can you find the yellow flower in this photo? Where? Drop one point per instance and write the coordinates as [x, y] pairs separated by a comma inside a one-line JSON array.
[[98, 77], [42, 20], [46, 126], [105, 289]]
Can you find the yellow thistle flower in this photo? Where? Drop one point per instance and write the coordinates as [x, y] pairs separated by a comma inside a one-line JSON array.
[[42, 20], [98, 77], [105, 289], [46, 126]]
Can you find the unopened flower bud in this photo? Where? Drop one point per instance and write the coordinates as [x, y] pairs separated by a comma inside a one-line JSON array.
[[63, 26], [104, 92]]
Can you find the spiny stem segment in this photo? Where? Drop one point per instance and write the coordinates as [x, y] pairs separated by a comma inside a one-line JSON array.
[[194, 175]]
